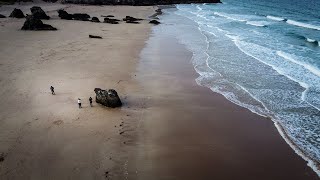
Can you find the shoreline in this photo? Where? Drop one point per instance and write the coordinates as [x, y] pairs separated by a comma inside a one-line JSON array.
[[312, 163], [167, 125]]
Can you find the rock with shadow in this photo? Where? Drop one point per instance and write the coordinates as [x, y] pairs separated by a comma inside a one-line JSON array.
[[38, 13], [111, 21], [17, 13], [64, 15], [108, 98], [132, 20], [36, 24], [155, 22], [81, 16], [95, 19]]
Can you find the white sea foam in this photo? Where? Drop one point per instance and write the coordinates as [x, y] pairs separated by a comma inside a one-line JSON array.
[[311, 40], [292, 58], [311, 163], [258, 23], [305, 25], [228, 16], [276, 18]]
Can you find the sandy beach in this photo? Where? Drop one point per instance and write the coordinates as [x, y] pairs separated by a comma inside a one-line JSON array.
[[47, 137], [168, 128]]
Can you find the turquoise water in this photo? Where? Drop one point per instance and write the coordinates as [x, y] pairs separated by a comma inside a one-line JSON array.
[[262, 55]]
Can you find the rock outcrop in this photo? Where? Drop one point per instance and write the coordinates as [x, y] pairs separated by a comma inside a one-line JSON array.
[[138, 2], [64, 15], [81, 17], [155, 22], [108, 98], [93, 36], [38, 13], [95, 19], [111, 21], [17, 13], [35, 24]]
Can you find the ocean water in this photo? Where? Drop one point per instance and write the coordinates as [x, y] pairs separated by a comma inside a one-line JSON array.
[[262, 55]]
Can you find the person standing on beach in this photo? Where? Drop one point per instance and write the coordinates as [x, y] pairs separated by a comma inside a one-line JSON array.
[[79, 103], [52, 90], [90, 100]]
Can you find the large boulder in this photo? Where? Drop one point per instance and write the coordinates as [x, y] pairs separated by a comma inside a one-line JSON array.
[[108, 98], [155, 22], [17, 13], [34, 24], [38, 13], [81, 17], [111, 21], [95, 19], [64, 15]]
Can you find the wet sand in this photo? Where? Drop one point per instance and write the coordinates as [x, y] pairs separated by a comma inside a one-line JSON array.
[[189, 132]]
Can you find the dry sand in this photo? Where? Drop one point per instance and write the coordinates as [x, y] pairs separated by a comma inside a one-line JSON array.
[[47, 137]]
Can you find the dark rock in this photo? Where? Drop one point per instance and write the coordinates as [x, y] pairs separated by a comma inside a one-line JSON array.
[[132, 22], [108, 98], [17, 13], [33, 23], [129, 18], [108, 16], [111, 21], [2, 156], [95, 19], [64, 15], [38, 13], [2, 16], [93, 36], [81, 17], [155, 22]]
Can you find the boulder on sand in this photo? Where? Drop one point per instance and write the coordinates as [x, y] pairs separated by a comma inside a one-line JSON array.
[[129, 19], [93, 36], [111, 21], [34, 24], [108, 98], [2, 16], [155, 22], [17, 13], [81, 17], [38, 13], [95, 19], [64, 15]]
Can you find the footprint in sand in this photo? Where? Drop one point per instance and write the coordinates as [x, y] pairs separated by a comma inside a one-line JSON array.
[[57, 122]]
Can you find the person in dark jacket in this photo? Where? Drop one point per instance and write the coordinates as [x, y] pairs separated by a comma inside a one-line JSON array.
[[52, 90], [90, 100]]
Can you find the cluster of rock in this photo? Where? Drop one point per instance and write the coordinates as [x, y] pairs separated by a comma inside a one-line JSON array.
[[138, 2], [76, 16], [107, 98], [107, 19], [129, 19], [34, 23]]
